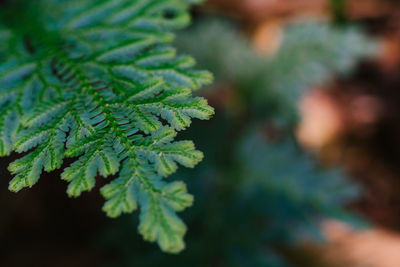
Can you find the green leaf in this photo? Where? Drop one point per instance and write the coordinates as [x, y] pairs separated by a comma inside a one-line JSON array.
[[81, 174], [120, 195], [48, 156], [158, 220]]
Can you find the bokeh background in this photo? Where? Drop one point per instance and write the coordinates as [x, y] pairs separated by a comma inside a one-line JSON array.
[[301, 160]]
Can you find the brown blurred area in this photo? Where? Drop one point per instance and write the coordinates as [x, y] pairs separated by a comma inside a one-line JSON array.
[[354, 121]]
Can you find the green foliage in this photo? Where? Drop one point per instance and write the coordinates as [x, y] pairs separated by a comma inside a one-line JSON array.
[[99, 82]]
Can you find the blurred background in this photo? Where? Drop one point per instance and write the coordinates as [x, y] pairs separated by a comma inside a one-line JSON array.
[[301, 160]]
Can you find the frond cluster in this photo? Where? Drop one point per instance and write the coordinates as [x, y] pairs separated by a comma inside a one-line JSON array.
[[99, 82]]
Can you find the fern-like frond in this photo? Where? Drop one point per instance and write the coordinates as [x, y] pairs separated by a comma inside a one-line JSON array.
[[99, 82]]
